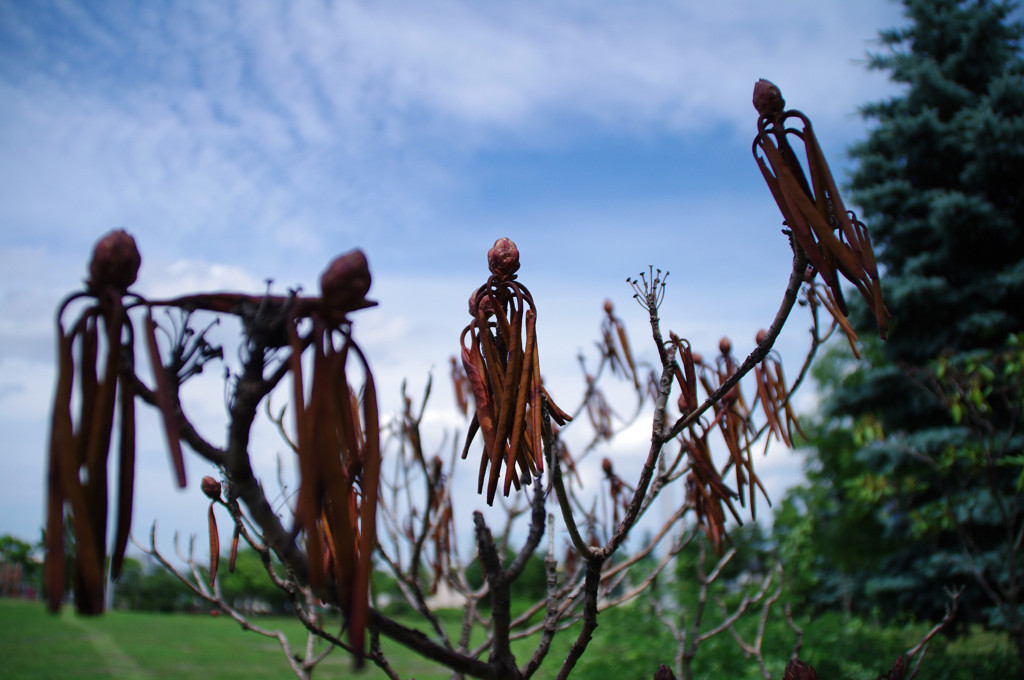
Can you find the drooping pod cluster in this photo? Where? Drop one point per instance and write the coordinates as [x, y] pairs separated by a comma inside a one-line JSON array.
[[734, 418], [79, 449], [599, 411], [832, 237], [773, 396], [618, 490], [338, 443], [709, 496], [615, 346], [441, 519], [502, 365], [337, 426]]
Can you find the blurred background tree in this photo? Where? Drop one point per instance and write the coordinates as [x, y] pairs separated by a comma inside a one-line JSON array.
[[919, 444]]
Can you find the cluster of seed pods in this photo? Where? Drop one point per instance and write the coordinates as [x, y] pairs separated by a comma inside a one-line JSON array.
[[832, 237], [79, 449], [615, 346], [733, 418], [337, 427], [338, 443], [502, 366]]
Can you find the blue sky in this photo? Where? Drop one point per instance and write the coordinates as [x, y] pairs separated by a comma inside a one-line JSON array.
[[240, 141]]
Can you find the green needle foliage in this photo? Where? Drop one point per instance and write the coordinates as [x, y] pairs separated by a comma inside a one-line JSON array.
[[918, 459]]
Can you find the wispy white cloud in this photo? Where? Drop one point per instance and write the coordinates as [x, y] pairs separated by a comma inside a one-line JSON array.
[[243, 140], [274, 115]]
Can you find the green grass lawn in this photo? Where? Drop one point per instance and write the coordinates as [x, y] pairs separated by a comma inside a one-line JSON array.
[[131, 645], [627, 645]]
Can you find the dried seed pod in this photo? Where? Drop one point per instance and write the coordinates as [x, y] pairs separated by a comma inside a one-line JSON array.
[[461, 385], [616, 348], [214, 546]]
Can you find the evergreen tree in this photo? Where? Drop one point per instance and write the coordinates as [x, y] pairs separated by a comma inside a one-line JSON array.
[[921, 439]]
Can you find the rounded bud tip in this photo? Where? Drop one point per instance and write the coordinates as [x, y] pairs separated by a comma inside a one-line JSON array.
[[480, 303], [115, 261], [761, 335], [768, 99], [503, 258], [725, 345], [608, 307], [606, 465], [211, 487], [345, 282]]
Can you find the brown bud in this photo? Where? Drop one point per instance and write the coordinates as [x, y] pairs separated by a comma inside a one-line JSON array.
[[608, 307], [899, 669], [798, 670], [664, 673], [503, 258], [211, 487], [345, 282], [698, 358], [768, 99], [606, 465], [115, 261], [480, 301], [761, 335], [725, 346]]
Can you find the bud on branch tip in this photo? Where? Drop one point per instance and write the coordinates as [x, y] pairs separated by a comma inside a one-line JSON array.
[[503, 258], [115, 261]]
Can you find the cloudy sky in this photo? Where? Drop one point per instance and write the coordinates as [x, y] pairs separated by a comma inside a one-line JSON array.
[[245, 141]]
